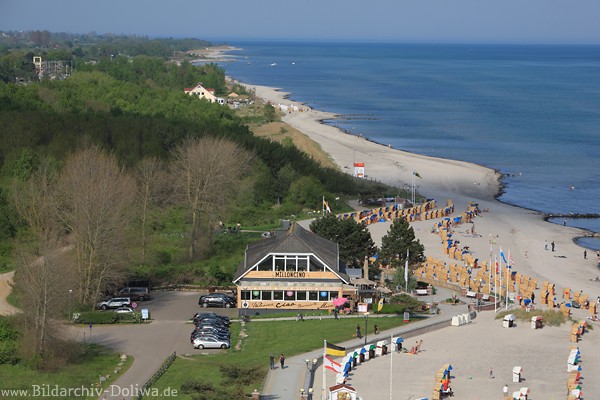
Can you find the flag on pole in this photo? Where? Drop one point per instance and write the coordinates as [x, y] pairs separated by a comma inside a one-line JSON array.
[[380, 304], [326, 207], [334, 350], [496, 262], [332, 365], [502, 256]]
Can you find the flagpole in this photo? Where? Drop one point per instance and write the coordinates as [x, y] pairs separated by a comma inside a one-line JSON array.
[[391, 363], [507, 276], [406, 272], [490, 275], [495, 285], [324, 376]]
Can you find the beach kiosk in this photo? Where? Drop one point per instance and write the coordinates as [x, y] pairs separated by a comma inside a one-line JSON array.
[[516, 374], [508, 321], [342, 392], [537, 322]]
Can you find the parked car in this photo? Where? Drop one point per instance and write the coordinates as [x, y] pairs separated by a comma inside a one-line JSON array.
[[217, 300], [210, 343], [212, 329], [212, 322], [210, 315], [124, 310], [135, 293], [202, 335], [115, 302]]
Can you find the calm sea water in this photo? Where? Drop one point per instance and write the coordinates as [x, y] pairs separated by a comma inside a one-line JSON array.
[[530, 112]]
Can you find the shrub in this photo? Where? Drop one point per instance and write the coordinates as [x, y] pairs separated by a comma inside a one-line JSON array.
[[96, 317]]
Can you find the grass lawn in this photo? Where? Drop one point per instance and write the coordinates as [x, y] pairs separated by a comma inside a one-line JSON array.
[[264, 338], [97, 361]]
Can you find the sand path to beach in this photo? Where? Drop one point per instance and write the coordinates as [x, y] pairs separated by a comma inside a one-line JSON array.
[[6, 281]]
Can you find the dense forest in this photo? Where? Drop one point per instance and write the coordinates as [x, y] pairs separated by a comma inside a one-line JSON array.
[[125, 96]]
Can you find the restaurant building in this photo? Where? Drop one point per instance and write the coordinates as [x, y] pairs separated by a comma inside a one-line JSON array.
[[294, 269]]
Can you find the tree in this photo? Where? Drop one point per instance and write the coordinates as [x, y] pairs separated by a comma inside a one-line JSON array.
[[42, 277], [353, 238], [94, 206], [152, 189], [394, 245], [207, 172]]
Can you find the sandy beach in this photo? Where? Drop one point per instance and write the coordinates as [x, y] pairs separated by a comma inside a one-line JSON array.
[[519, 231]]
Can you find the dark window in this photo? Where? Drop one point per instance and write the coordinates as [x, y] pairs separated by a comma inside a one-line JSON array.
[[277, 295]]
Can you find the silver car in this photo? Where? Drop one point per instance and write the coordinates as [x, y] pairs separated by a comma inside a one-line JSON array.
[[115, 302], [210, 343]]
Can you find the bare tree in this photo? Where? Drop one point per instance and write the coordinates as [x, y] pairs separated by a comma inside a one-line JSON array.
[[153, 189], [41, 275], [207, 172], [95, 198]]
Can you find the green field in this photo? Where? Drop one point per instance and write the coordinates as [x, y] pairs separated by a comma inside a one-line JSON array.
[[203, 372]]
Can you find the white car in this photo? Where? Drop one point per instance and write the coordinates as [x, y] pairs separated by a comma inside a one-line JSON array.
[[210, 343], [115, 302], [124, 310]]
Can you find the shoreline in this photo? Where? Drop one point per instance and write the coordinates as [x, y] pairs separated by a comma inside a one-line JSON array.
[[525, 233], [519, 230]]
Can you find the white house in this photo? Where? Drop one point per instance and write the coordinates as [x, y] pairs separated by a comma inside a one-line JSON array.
[[203, 93]]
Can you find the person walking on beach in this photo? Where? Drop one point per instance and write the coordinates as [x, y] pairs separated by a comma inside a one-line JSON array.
[[545, 245], [282, 361], [552, 244], [272, 361], [585, 254]]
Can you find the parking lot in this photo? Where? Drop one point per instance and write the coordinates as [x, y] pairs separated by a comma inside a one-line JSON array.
[[152, 342]]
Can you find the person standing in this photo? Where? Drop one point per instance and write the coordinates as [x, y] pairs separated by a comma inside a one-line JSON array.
[[272, 361], [376, 329], [505, 391], [545, 245], [585, 254], [532, 297], [282, 361], [358, 335], [552, 244]]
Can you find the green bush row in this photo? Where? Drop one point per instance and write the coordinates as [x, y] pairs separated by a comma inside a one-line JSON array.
[[106, 317]]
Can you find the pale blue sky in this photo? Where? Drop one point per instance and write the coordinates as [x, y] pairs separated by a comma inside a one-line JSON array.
[[475, 21]]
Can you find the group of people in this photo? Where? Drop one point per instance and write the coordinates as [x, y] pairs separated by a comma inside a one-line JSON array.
[[281, 361]]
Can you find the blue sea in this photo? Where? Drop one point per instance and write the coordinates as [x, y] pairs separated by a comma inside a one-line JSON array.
[[532, 112]]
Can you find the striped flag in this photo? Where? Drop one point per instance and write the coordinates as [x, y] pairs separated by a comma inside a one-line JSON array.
[[332, 365], [334, 350]]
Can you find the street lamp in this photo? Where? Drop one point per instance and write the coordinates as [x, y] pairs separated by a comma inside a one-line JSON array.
[[311, 366], [303, 395], [366, 327]]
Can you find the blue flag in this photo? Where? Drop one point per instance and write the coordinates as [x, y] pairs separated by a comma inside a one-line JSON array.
[[502, 256]]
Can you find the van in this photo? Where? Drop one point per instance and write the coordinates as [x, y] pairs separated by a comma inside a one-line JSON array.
[[135, 293]]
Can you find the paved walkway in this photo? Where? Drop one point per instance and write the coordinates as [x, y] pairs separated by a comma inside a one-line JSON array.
[[286, 384]]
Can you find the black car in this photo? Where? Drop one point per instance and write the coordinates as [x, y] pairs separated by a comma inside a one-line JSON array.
[[214, 324], [210, 315], [211, 328], [217, 300]]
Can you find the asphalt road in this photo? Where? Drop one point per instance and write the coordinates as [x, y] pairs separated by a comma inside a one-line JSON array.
[[152, 342]]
